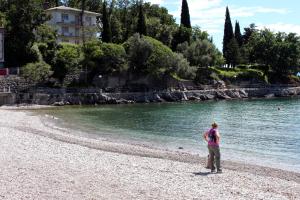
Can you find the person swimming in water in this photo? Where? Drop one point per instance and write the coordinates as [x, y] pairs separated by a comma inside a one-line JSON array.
[[212, 137]]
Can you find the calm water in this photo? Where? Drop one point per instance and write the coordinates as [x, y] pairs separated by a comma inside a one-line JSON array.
[[253, 131]]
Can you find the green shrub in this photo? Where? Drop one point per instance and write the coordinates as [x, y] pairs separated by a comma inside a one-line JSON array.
[[68, 60], [36, 72]]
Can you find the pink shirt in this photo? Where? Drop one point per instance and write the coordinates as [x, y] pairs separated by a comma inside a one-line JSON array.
[[212, 135]]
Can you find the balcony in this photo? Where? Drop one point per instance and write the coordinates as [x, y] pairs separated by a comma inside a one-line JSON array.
[[74, 23]]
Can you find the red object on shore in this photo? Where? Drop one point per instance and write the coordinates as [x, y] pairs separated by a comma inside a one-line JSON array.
[[4, 72]]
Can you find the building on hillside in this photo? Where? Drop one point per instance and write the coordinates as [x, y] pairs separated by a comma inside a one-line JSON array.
[[67, 22]]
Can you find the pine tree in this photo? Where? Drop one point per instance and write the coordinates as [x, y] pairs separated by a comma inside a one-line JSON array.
[[106, 32], [237, 34], [228, 35], [185, 15], [141, 26]]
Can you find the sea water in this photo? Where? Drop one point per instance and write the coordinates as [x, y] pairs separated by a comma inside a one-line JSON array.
[[263, 132]]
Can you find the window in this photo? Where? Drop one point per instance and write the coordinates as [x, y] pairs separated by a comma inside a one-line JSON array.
[[88, 20], [77, 20], [64, 17], [76, 32], [65, 30]]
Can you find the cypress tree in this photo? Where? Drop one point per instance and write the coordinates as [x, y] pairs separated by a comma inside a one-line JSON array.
[[237, 34], [185, 15], [233, 52], [106, 32], [228, 35], [141, 26]]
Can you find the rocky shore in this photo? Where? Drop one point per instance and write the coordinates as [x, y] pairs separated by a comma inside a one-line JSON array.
[[94, 96]]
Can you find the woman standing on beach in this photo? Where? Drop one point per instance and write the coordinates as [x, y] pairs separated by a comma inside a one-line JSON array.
[[212, 137]]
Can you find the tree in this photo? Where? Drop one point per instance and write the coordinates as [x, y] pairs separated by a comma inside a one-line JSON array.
[[138, 50], [182, 35], [278, 52], [46, 39], [228, 35], [248, 32], [68, 60], [106, 32], [200, 53], [141, 25], [233, 52], [82, 21], [237, 34], [21, 19], [185, 15], [36, 72]]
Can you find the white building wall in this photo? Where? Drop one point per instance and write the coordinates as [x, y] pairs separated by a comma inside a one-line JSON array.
[[72, 24]]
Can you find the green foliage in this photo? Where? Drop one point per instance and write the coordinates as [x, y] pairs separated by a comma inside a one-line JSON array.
[[106, 29], [149, 56], [200, 53], [113, 58], [182, 35], [237, 34], [185, 15], [228, 35], [180, 67], [141, 24], [22, 18], [46, 39], [233, 53], [241, 74], [35, 54], [278, 51], [198, 34], [92, 54], [156, 63], [138, 50], [104, 58], [36, 72], [68, 59]]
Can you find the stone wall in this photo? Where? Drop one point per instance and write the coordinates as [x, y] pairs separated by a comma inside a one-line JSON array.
[[95, 96]]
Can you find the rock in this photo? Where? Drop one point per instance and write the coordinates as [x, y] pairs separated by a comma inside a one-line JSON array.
[[60, 103], [222, 95], [286, 93], [207, 97], [142, 99], [219, 84], [157, 98], [271, 95], [180, 147], [168, 97], [179, 96], [243, 93], [193, 98], [233, 94]]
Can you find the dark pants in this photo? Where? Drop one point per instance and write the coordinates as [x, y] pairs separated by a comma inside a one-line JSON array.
[[215, 155]]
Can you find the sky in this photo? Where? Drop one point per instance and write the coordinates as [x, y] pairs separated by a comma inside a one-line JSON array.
[[209, 15]]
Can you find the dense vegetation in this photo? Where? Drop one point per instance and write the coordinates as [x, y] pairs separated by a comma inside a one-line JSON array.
[[141, 39]]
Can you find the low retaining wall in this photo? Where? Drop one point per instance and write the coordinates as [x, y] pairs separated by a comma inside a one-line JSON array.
[[89, 98], [7, 98]]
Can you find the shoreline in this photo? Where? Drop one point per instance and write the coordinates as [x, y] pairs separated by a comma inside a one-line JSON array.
[[137, 149], [94, 96], [39, 160]]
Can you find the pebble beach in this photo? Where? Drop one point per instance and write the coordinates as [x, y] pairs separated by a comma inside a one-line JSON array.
[[41, 161]]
